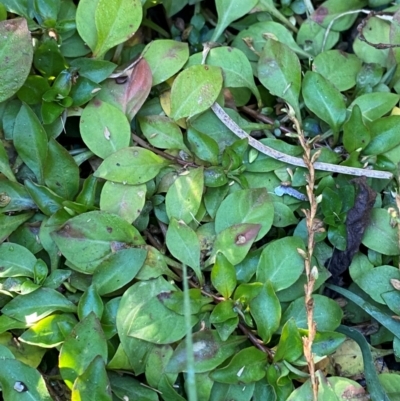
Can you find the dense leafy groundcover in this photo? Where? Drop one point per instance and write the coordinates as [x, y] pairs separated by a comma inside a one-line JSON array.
[[148, 253]]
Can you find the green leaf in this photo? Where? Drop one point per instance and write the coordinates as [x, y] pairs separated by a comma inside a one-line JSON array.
[[85, 22], [85, 342], [86, 240], [8, 224], [384, 319], [104, 128], [223, 276], [323, 99], [146, 318], [235, 66], [376, 281], [127, 201], [247, 366], [356, 134], [118, 269], [127, 386], [17, 195], [195, 90], [61, 173], [173, 54], [379, 235], [93, 383], [5, 164], [266, 311], [283, 215], [204, 147], [208, 349], [50, 331], [90, 302], [375, 105], [30, 140], [16, 261], [92, 69], [223, 311], [280, 72], [15, 56], [156, 364], [339, 68], [280, 262], [115, 23], [131, 165], [235, 241], [38, 304], [246, 206], [327, 313], [229, 11], [184, 195], [46, 200], [47, 11], [290, 346], [162, 132], [21, 382], [223, 391], [175, 301], [384, 135], [184, 245]]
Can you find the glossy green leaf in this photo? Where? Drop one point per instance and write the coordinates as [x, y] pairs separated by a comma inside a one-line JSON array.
[[104, 128], [384, 135], [235, 242], [115, 23], [259, 33], [146, 318], [127, 201], [93, 383], [327, 313], [86, 240], [229, 11], [15, 197], [331, 9], [118, 269], [92, 69], [48, 59], [266, 311], [8, 224], [374, 281], [128, 386], [246, 206], [279, 71], [21, 382], [208, 349], [15, 56], [36, 305], [339, 68], [235, 66], [280, 262], [203, 146], [46, 200], [30, 140], [50, 331], [290, 346], [16, 261], [85, 342], [90, 302], [223, 276], [223, 311], [376, 104], [162, 132], [184, 245], [174, 55], [85, 22], [61, 173], [131, 165], [195, 90], [323, 99], [5, 167], [356, 134], [379, 235], [247, 366], [184, 196]]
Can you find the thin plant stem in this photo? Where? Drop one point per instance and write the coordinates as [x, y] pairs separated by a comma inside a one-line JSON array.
[[312, 227], [191, 379]]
